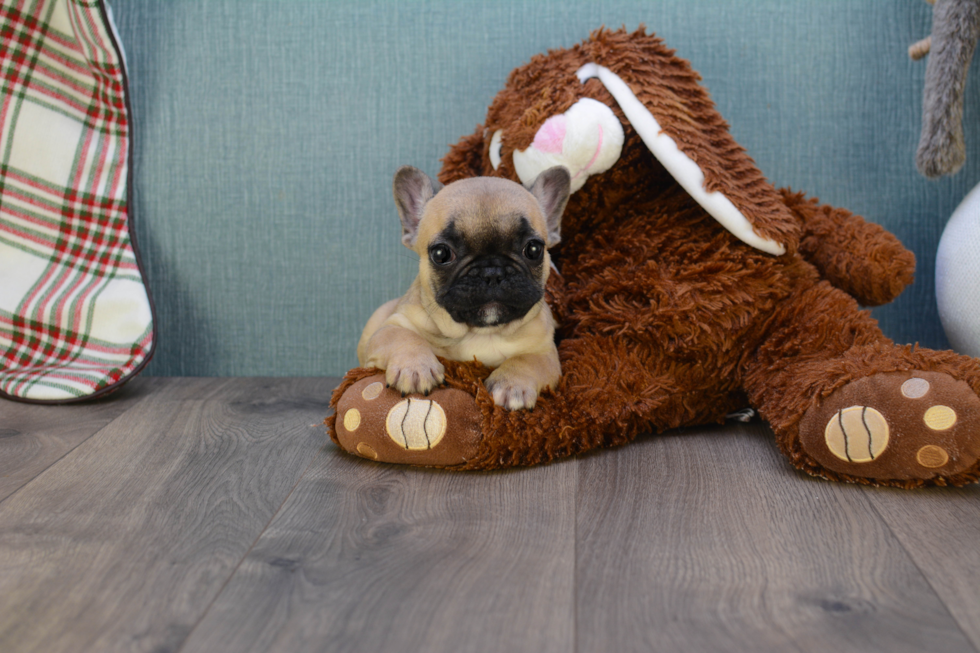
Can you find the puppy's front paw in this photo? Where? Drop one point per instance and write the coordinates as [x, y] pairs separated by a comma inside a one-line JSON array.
[[512, 391], [420, 372]]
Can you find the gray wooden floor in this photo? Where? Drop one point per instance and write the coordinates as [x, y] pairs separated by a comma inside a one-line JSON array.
[[215, 515]]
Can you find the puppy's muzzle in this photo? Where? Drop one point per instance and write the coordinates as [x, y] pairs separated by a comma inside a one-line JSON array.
[[489, 293]]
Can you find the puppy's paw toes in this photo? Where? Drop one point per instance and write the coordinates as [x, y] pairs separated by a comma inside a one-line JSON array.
[[416, 376], [911, 427], [512, 394], [375, 422]]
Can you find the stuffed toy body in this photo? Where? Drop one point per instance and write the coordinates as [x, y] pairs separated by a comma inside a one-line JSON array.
[[688, 288]]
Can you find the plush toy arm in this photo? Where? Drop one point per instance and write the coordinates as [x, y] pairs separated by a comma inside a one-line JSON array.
[[955, 26], [859, 257]]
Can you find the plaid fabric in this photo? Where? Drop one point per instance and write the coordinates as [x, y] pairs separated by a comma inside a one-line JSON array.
[[75, 317]]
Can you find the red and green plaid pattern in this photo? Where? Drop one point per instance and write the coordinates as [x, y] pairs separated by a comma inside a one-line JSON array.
[[75, 317]]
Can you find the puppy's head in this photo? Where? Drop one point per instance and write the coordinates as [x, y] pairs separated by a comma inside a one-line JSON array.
[[482, 242]]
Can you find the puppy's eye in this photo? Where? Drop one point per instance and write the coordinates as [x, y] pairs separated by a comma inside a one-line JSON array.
[[441, 255], [533, 250]]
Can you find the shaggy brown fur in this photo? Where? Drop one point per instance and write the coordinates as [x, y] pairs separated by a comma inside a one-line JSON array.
[[668, 320]]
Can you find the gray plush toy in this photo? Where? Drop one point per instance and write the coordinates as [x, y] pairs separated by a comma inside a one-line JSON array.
[[955, 27]]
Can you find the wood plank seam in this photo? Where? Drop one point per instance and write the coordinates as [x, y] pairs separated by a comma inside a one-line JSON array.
[[925, 575], [245, 556], [67, 452]]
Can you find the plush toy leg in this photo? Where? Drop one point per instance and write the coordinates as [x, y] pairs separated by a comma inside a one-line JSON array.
[[848, 404], [460, 427], [611, 391], [456, 426]]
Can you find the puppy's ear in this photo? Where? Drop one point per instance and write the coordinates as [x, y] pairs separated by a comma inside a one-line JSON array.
[[551, 189], [412, 189]]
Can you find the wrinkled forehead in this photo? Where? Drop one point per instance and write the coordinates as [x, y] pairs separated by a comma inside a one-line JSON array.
[[486, 207]]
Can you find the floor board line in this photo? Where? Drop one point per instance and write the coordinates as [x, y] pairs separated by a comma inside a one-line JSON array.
[[925, 575], [244, 557], [145, 386]]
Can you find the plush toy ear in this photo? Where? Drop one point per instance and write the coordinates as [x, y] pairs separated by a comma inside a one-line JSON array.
[[412, 189], [552, 188], [665, 89]]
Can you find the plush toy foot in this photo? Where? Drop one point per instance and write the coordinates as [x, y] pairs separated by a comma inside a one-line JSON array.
[[439, 430], [911, 427]]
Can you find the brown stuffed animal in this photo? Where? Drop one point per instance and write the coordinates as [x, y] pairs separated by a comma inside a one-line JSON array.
[[689, 288]]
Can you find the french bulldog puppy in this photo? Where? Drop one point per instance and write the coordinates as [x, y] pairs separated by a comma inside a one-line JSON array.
[[483, 262]]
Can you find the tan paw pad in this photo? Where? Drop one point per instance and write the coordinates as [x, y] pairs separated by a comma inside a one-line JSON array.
[[915, 388], [940, 418], [416, 423], [858, 434], [352, 419], [373, 391], [365, 450], [932, 456]]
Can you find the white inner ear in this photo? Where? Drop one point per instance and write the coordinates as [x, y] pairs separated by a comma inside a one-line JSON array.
[[495, 143], [681, 167]]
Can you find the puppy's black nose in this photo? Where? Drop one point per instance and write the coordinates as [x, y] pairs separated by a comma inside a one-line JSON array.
[[490, 272], [492, 276]]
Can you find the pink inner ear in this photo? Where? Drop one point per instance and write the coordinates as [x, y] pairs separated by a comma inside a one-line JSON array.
[[551, 136]]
